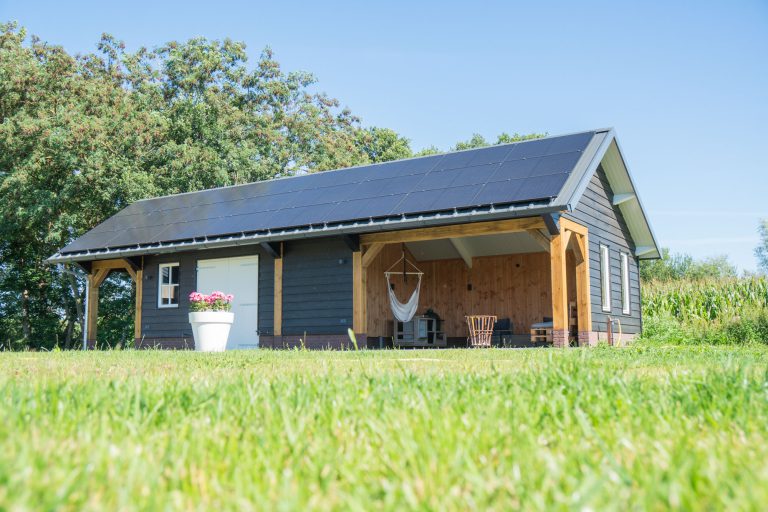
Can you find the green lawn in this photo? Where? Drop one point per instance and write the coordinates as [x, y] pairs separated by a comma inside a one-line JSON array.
[[601, 429]]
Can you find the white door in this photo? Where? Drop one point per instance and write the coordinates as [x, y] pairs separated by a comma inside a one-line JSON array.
[[240, 277]]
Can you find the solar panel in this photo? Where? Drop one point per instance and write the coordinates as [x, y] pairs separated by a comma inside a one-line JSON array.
[[569, 143], [539, 187], [530, 149], [563, 162], [475, 175], [515, 169], [499, 192], [510, 173]]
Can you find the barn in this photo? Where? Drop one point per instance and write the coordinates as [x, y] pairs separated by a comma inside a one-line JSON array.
[[543, 235]]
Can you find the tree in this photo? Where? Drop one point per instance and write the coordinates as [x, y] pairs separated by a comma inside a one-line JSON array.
[[382, 144], [83, 136], [674, 267], [478, 141], [761, 252]]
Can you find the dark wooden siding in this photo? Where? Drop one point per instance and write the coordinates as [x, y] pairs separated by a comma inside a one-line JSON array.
[[173, 322], [317, 287], [606, 226]]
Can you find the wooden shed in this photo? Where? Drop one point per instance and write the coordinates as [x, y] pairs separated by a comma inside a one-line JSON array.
[[546, 233]]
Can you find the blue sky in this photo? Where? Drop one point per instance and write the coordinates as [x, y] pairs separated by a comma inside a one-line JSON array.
[[684, 83]]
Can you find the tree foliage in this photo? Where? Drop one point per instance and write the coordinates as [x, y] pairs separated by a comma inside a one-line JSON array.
[[83, 136], [675, 267]]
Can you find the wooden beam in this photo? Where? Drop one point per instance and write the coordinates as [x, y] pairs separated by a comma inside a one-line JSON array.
[[559, 286], [137, 262], [566, 238], [133, 273], [573, 226], [139, 279], [454, 231], [100, 275], [583, 300], [551, 223], [278, 294], [359, 313], [271, 248], [113, 264], [540, 238], [371, 253], [578, 254], [352, 241], [461, 247]]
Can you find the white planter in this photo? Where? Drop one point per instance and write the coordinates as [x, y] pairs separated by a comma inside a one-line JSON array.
[[211, 329]]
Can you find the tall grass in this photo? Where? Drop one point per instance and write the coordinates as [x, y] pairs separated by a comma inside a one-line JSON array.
[[710, 311], [704, 300], [642, 428]]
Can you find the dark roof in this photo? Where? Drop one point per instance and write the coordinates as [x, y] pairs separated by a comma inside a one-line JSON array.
[[502, 178]]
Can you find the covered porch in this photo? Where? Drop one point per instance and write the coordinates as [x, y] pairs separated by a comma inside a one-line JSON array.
[[530, 271]]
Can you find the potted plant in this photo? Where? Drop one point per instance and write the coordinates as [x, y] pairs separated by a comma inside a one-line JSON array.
[[211, 318]]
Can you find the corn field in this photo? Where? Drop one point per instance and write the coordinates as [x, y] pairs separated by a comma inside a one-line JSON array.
[[704, 300]]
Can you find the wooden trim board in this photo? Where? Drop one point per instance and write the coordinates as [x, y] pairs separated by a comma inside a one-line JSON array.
[[454, 231]]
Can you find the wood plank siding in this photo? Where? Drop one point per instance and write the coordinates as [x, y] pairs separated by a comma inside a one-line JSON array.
[[158, 323], [515, 286], [606, 226], [317, 287]]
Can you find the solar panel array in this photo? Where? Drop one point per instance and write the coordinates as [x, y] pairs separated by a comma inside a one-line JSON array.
[[522, 172]]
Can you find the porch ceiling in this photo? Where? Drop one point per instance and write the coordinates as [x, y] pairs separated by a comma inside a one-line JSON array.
[[475, 246]]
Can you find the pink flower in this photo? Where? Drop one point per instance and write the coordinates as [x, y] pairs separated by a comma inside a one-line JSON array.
[[229, 298]]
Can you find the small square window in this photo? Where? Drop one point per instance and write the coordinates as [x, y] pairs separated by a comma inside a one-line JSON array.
[[168, 285]]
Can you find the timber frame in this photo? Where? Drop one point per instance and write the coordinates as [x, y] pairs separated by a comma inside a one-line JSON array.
[[99, 271], [568, 235]]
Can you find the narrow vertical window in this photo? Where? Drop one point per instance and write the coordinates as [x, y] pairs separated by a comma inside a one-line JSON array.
[[625, 283], [605, 277], [168, 286]]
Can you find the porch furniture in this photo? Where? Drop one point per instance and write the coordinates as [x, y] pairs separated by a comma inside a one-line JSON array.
[[541, 332], [403, 311], [421, 332], [480, 329], [502, 332]]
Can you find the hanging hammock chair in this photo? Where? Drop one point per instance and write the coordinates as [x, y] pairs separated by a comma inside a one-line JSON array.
[[404, 312]]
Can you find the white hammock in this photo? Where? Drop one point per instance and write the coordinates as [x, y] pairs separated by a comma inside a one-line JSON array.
[[404, 312]]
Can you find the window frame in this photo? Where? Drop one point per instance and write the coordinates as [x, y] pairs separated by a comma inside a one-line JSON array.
[[626, 301], [605, 278], [160, 284]]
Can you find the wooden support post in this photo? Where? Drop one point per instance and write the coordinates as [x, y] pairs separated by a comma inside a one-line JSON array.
[[93, 306], [359, 313], [559, 291], [278, 296], [139, 279], [583, 299]]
